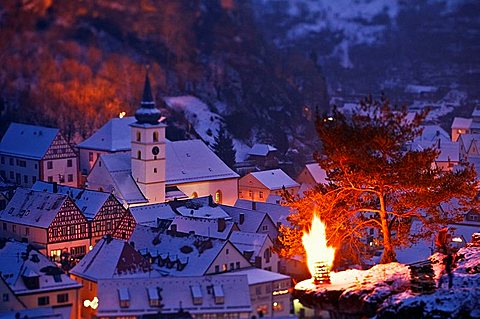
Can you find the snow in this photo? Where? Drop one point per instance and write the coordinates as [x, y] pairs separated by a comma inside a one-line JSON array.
[[257, 276], [419, 89], [261, 149], [274, 179], [114, 136], [198, 114]]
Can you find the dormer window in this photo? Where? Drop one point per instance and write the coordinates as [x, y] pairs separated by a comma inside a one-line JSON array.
[[218, 294], [124, 297], [154, 297], [196, 294]]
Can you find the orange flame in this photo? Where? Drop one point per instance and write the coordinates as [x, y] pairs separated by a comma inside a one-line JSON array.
[[315, 244]]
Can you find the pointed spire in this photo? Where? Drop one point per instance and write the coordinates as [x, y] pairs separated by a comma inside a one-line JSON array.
[[147, 113]]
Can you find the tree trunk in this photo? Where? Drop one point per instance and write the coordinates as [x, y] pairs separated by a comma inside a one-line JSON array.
[[389, 254]]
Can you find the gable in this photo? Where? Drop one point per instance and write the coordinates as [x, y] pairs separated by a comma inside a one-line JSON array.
[[59, 148], [226, 256], [249, 181]]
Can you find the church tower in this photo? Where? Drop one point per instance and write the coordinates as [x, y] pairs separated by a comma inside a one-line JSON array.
[[148, 148]]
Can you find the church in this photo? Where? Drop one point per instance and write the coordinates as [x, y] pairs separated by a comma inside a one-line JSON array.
[[155, 169]]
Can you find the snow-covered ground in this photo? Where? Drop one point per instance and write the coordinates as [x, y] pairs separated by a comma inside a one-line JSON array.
[[204, 121]]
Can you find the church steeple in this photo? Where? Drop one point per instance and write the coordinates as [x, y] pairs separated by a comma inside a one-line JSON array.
[[147, 113]]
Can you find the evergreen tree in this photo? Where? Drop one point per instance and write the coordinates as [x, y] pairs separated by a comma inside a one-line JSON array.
[[378, 181], [223, 147]]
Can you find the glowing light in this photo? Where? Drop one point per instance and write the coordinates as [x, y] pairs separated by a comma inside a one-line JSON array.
[[122, 114], [315, 244], [275, 304], [457, 239], [92, 304], [90, 247], [280, 292]]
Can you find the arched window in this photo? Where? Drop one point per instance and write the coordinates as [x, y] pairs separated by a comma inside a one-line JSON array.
[[139, 136], [139, 154], [194, 195], [155, 136], [218, 196], [154, 169]]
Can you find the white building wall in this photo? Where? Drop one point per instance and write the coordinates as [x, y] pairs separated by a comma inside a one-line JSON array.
[[227, 187], [34, 235], [271, 298], [85, 155], [16, 169], [229, 256], [60, 172]]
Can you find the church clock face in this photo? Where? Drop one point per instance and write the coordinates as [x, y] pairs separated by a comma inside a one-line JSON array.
[[155, 150]]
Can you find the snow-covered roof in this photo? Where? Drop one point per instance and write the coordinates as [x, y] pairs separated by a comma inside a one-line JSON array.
[[201, 207], [261, 150], [206, 227], [88, 201], [27, 141], [114, 136], [196, 253], [318, 173], [461, 123], [252, 219], [19, 259], [112, 258], [149, 214], [274, 179], [476, 112], [277, 213], [467, 139], [35, 313], [192, 161], [34, 208], [432, 133], [119, 166], [249, 242], [258, 276], [176, 293], [449, 151]]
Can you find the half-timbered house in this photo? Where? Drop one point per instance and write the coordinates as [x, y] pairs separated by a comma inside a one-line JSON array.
[[105, 214], [50, 221], [29, 153]]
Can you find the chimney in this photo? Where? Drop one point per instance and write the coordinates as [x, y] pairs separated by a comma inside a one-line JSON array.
[[221, 224], [173, 228], [254, 205], [242, 218], [210, 201], [55, 187]]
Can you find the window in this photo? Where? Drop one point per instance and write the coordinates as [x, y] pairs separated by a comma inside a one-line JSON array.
[[5, 297], [78, 251], [55, 255], [61, 178], [55, 232], [224, 267], [217, 268], [139, 155], [49, 165], [90, 156], [21, 163], [14, 228], [232, 266], [155, 136], [3, 160], [258, 290], [109, 225], [218, 196], [61, 298], [260, 195], [69, 163], [18, 178], [250, 194], [11, 175], [265, 227], [25, 179], [72, 230], [237, 265], [43, 301], [267, 254], [11, 161], [34, 179], [194, 195], [27, 231], [70, 177], [98, 227], [139, 136], [154, 169], [50, 179], [83, 229]]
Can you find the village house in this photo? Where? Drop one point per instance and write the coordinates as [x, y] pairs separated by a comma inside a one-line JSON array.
[[257, 248], [179, 254], [207, 227], [269, 292], [277, 213], [257, 186], [109, 259], [252, 221], [105, 214], [29, 280], [156, 169], [213, 297], [50, 222], [29, 153], [310, 176], [461, 125]]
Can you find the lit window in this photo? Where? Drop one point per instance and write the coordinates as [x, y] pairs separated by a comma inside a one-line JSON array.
[[218, 196], [155, 136], [90, 156], [224, 267], [260, 195], [277, 306]]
